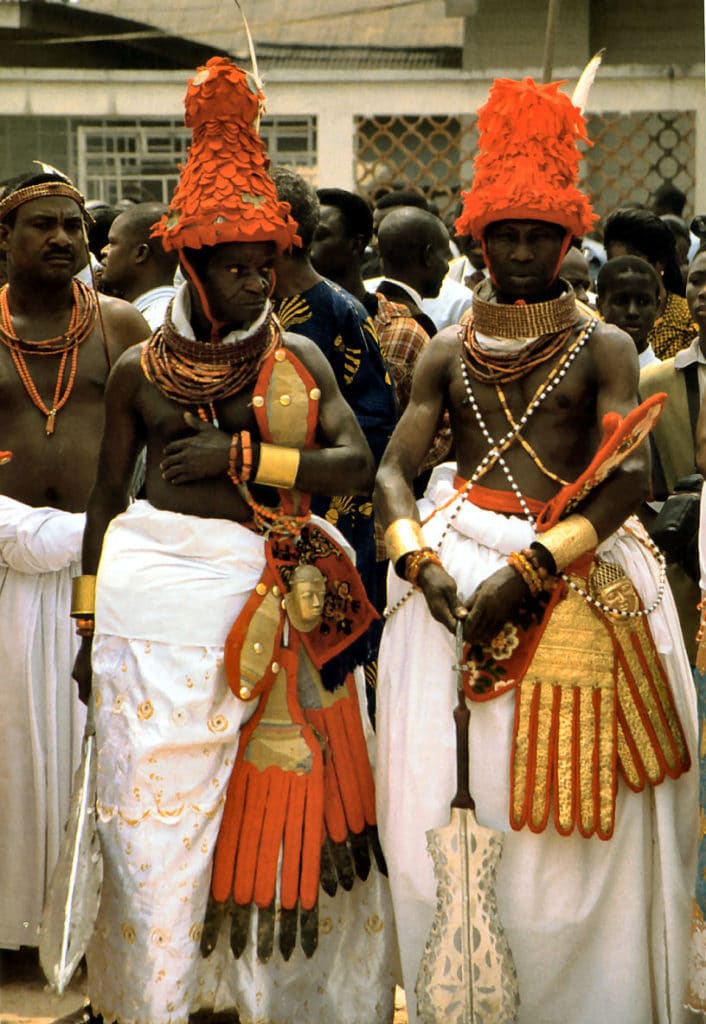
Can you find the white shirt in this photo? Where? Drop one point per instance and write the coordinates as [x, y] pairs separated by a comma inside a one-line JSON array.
[[86, 272], [647, 357], [688, 356], [154, 304], [373, 283], [450, 304]]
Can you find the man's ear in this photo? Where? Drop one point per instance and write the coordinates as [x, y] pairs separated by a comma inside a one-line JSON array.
[[359, 244], [142, 252]]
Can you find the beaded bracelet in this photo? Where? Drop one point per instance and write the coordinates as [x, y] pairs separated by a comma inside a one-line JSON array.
[[526, 564], [245, 455], [414, 562], [233, 459], [240, 457]]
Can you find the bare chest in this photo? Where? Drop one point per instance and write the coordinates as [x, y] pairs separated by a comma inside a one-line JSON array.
[[541, 421]]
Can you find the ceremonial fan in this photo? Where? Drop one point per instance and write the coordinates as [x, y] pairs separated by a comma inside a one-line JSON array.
[[467, 974]]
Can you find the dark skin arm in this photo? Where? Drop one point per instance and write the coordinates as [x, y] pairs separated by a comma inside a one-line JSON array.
[[344, 465], [124, 326], [607, 506], [109, 497], [409, 444]]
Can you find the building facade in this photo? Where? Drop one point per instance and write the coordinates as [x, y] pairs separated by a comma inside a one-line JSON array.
[[372, 117]]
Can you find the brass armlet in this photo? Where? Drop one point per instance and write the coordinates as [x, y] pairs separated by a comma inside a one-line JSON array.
[[278, 466], [83, 597], [569, 539], [401, 537]]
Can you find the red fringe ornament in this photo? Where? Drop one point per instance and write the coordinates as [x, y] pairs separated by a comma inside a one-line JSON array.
[[528, 160], [225, 193]]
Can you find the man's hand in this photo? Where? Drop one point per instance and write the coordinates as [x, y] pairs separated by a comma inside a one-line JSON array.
[[82, 669], [441, 595], [493, 604], [204, 454]]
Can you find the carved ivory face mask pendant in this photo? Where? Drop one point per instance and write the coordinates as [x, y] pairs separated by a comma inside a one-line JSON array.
[[304, 603]]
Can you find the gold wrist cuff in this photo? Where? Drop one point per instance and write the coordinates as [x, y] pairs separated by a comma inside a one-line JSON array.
[[569, 539], [401, 537], [278, 466], [83, 597]]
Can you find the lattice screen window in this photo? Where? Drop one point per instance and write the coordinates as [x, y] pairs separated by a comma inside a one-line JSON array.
[[434, 154], [634, 153], [631, 156]]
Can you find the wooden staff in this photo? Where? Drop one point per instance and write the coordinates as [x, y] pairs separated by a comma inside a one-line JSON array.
[[549, 38]]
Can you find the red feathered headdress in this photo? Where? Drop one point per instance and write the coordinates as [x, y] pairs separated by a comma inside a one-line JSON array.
[[224, 193], [528, 160]]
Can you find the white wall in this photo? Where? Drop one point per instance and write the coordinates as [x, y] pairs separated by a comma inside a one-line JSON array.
[[336, 101]]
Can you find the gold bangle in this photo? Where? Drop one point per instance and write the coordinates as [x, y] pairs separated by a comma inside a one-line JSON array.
[[401, 537], [83, 597], [569, 539], [278, 466]]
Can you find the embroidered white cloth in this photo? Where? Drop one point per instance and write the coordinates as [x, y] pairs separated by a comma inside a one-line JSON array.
[[42, 718], [169, 589], [598, 930]]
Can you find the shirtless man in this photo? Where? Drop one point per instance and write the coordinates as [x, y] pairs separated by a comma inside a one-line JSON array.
[[209, 660], [44, 242], [51, 418], [187, 459], [535, 648]]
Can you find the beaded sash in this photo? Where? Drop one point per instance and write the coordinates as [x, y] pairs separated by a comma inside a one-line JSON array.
[[300, 807]]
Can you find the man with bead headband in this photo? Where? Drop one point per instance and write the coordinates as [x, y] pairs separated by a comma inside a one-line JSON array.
[[57, 348], [582, 713], [235, 794]]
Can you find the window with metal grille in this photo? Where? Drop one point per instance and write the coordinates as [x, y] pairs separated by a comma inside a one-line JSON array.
[[632, 154], [140, 160], [114, 159]]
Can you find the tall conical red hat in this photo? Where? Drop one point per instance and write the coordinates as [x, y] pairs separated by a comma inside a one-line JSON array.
[[224, 192], [528, 160]]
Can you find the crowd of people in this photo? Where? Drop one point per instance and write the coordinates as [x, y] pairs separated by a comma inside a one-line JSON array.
[[272, 456]]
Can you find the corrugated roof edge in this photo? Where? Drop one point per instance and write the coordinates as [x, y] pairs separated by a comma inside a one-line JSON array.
[[299, 55]]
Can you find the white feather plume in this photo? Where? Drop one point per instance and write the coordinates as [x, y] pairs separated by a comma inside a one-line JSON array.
[[254, 74], [48, 169], [586, 80]]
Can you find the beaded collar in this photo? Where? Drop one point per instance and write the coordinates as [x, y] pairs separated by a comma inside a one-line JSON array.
[[529, 320], [192, 372]]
